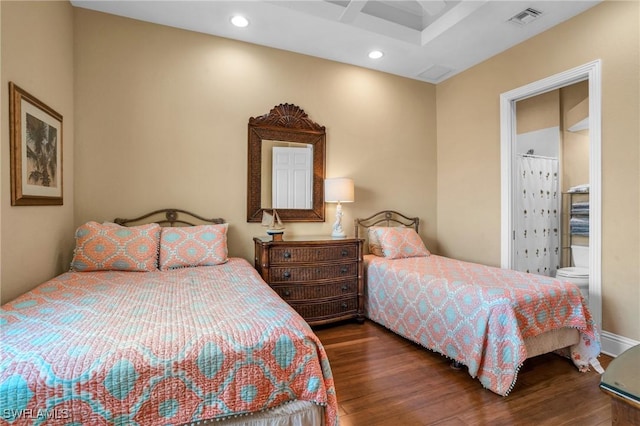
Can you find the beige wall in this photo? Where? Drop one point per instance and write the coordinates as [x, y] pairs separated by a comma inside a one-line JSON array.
[[469, 147], [162, 122], [575, 145], [37, 54], [162, 116], [538, 112]]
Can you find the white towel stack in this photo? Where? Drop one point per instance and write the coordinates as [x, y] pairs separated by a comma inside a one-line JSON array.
[[579, 188]]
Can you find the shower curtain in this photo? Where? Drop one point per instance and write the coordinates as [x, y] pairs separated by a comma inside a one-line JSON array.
[[537, 215]]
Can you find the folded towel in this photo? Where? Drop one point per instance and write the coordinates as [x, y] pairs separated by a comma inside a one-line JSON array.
[[579, 226], [579, 188], [581, 205], [580, 233]]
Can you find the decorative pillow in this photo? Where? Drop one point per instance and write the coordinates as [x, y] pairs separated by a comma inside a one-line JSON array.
[[111, 247], [374, 241], [203, 245], [400, 242]]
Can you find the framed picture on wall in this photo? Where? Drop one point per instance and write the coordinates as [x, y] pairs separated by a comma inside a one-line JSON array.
[[35, 150]]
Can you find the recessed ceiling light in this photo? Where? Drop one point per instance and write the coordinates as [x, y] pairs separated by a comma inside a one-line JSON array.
[[376, 54], [239, 21]]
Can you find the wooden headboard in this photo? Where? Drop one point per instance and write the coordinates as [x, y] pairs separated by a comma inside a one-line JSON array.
[[386, 218], [170, 217]]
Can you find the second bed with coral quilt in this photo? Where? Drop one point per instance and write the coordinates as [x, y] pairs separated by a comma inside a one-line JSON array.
[[481, 316]]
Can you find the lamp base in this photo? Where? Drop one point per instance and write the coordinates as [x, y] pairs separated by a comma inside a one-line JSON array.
[[337, 226]]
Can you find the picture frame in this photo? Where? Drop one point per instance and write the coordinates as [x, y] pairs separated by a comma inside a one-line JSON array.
[[35, 150]]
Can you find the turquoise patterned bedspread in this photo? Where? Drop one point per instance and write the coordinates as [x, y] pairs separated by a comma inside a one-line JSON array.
[[150, 348], [475, 314]]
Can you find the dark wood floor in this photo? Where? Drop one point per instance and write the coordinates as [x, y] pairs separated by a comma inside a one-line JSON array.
[[383, 379]]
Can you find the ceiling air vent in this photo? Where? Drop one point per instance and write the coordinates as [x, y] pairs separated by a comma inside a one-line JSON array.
[[434, 73], [526, 16]]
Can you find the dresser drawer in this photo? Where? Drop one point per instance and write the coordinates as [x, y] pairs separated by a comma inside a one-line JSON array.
[[317, 291], [298, 274], [322, 278], [294, 254], [333, 308]]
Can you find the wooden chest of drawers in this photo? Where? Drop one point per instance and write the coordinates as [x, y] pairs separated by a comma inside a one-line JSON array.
[[320, 277]]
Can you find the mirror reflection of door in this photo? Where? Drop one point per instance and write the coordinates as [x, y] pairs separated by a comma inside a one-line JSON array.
[[292, 178]]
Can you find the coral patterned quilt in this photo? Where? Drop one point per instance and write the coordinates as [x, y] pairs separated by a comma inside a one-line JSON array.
[[476, 314], [155, 348]]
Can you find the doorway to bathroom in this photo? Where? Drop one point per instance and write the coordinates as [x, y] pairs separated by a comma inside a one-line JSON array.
[[551, 182], [550, 158]]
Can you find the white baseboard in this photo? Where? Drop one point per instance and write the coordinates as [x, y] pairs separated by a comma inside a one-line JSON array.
[[613, 345]]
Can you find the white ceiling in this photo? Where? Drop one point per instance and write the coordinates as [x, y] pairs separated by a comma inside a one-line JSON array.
[[427, 40]]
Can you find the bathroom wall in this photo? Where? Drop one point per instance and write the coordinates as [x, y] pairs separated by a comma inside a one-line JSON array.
[[538, 124], [575, 145]]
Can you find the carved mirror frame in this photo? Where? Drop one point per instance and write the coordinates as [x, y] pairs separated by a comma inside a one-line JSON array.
[[289, 123]]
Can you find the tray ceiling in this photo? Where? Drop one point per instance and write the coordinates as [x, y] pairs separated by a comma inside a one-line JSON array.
[[427, 40]]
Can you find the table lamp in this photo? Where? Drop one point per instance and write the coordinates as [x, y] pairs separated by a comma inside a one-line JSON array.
[[338, 190]]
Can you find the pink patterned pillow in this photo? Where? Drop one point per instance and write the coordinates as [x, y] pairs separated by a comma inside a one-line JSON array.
[[397, 243], [374, 241], [203, 245], [111, 247]]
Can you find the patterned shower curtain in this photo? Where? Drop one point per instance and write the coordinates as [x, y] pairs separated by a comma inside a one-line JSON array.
[[537, 216]]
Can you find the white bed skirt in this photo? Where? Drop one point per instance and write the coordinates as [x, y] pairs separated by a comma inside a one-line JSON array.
[[296, 413]]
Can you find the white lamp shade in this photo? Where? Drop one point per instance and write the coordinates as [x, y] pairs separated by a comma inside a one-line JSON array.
[[338, 190]]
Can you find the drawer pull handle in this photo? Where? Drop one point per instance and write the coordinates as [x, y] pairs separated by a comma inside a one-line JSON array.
[[287, 255], [344, 252], [344, 270], [286, 274], [345, 288], [287, 293], [344, 305]]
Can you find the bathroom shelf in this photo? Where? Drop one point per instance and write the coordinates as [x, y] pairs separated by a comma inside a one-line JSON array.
[[569, 238]]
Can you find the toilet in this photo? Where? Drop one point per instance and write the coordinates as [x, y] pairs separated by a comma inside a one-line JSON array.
[[579, 273]]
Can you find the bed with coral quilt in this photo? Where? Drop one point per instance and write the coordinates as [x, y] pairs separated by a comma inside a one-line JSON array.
[[480, 316], [173, 346]]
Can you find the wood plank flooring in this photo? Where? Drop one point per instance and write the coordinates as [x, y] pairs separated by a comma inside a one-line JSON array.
[[383, 379]]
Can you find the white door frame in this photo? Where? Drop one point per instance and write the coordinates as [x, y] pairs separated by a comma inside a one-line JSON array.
[[591, 72]]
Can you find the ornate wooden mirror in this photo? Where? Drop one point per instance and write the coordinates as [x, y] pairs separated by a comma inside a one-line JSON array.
[[286, 141]]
